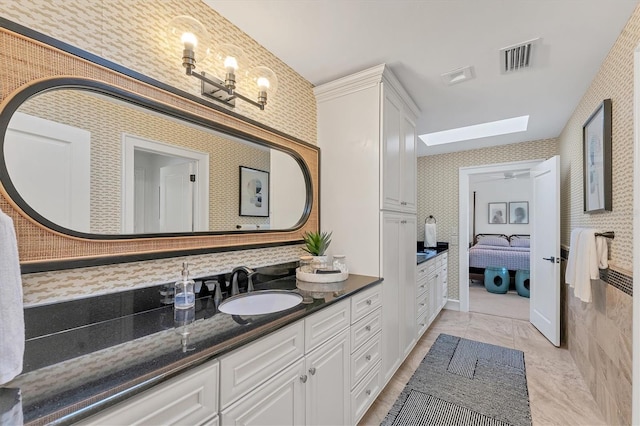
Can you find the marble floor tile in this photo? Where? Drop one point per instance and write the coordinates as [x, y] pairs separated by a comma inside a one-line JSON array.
[[558, 394]]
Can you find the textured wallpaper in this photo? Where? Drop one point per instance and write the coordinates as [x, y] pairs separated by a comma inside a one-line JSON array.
[[132, 33], [614, 81], [438, 188]]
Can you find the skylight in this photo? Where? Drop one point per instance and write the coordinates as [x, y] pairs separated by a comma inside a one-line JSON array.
[[477, 131]]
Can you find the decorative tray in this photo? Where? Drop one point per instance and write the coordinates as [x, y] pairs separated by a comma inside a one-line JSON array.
[[321, 278]]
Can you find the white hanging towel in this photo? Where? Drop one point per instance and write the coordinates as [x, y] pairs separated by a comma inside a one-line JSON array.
[[587, 255], [11, 311], [430, 239]]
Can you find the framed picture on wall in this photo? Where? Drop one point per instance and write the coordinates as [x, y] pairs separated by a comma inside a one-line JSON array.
[[519, 212], [254, 192], [497, 213], [596, 153]]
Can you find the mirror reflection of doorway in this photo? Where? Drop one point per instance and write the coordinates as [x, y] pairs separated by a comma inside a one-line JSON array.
[[165, 189]]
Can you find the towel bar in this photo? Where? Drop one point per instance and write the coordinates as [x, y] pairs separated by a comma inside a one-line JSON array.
[[608, 234]]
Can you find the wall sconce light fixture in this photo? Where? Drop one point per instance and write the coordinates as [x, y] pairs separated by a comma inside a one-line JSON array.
[[194, 41]]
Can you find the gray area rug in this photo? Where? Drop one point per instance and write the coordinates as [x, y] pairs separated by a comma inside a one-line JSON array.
[[464, 382]]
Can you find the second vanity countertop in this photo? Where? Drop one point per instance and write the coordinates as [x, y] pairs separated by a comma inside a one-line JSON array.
[[123, 356], [428, 254]]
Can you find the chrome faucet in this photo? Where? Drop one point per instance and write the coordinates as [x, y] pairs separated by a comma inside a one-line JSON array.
[[234, 279]]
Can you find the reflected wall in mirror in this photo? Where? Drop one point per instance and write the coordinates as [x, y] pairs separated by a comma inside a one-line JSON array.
[[94, 164]]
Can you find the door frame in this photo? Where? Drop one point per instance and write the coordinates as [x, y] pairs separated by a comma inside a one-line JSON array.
[[635, 407], [132, 142], [464, 175]]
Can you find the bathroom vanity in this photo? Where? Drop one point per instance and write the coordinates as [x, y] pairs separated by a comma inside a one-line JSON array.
[[131, 365]]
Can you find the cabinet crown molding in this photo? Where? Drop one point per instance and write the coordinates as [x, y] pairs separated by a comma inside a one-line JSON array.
[[365, 79]]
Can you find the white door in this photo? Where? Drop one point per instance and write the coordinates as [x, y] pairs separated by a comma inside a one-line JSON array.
[[328, 383], [544, 304], [278, 402], [391, 231], [391, 155], [49, 165], [407, 283], [176, 198]]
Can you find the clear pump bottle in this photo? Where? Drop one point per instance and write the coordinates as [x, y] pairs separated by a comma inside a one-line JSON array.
[[184, 297]]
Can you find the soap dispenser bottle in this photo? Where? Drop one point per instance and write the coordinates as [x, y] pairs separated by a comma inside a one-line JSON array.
[[184, 297]]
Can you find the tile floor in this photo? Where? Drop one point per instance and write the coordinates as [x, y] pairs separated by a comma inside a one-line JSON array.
[[557, 393]]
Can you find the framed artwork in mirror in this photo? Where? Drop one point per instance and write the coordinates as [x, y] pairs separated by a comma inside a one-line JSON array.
[[497, 213], [596, 152], [519, 212], [254, 192]]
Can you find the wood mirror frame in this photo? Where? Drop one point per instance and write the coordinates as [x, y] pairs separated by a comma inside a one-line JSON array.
[[29, 58]]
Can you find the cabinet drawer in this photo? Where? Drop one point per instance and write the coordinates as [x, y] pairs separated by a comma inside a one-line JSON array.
[[191, 398], [422, 323], [364, 329], [247, 367], [445, 258], [422, 303], [364, 359], [365, 393], [431, 267], [365, 302], [422, 270], [422, 286], [323, 325]]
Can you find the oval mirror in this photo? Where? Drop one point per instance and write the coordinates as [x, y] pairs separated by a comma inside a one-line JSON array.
[[95, 161]]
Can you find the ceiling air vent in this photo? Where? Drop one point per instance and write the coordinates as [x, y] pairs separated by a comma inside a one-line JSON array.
[[517, 57]]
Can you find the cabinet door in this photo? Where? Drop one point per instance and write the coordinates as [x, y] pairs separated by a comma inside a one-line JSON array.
[[408, 283], [391, 161], [278, 402], [408, 168], [328, 384], [190, 398], [390, 294]]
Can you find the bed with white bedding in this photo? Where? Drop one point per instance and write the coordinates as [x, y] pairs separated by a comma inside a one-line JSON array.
[[497, 250]]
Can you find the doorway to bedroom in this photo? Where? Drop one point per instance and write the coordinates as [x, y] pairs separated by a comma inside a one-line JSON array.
[[494, 225]]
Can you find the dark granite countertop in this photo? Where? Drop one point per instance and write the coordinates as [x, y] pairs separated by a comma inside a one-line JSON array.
[[427, 254], [86, 355]]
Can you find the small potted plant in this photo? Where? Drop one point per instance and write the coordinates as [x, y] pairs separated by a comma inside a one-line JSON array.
[[316, 244]]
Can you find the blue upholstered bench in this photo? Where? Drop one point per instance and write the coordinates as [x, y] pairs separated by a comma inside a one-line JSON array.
[[496, 280], [522, 283]]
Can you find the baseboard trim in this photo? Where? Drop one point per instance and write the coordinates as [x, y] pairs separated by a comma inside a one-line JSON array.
[[453, 305]]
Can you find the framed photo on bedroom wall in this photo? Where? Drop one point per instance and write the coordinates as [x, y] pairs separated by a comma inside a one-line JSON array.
[[497, 213], [519, 212], [596, 153]]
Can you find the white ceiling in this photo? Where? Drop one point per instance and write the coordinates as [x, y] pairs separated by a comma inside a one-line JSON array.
[[421, 39]]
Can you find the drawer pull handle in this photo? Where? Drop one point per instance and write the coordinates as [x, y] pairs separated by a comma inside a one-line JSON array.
[[421, 325], [303, 378], [368, 328], [368, 392], [368, 357], [369, 302], [312, 371], [422, 304]]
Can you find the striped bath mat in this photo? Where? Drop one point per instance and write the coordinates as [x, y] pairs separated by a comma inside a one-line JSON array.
[[464, 382]]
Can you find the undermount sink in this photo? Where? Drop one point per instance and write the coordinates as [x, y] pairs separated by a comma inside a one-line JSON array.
[[260, 302]]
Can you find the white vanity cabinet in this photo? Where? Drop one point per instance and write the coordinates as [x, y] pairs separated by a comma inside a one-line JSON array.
[[366, 347], [431, 290], [297, 375], [191, 398]]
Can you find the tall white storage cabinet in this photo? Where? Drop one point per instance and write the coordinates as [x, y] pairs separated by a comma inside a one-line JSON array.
[[367, 137]]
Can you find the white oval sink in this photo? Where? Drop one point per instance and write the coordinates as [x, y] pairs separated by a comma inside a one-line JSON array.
[[260, 302]]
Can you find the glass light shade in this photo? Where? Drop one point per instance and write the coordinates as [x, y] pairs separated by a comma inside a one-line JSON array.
[[264, 79], [187, 32], [228, 58]]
